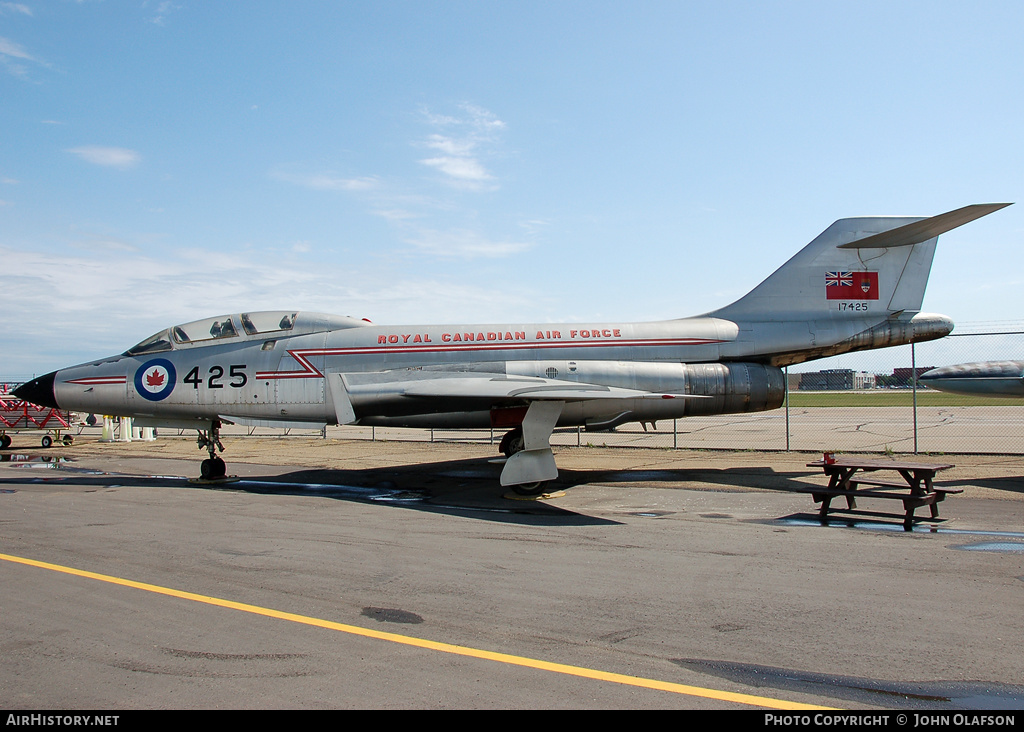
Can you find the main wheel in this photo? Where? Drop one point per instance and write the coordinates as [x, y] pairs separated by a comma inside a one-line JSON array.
[[5, 441], [512, 442], [530, 489], [46, 441]]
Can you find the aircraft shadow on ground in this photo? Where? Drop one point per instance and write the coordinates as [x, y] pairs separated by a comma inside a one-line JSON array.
[[469, 486], [457, 487], [1010, 484], [745, 478]]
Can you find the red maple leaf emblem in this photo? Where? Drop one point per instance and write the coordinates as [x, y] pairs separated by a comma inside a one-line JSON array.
[[155, 378]]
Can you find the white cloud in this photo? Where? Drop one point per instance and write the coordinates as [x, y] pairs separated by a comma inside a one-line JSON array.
[[461, 168], [7, 8], [327, 181], [111, 157], [449, 146], [434, 222], [14, 50], [463, 243], [12, 55], [478, 118], [463, 141], [395, 214], [482, 119], [100, 242], [163, 9]]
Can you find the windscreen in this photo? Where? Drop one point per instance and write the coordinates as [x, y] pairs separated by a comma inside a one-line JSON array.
[[154, 344], [204, 330], [268, 322]]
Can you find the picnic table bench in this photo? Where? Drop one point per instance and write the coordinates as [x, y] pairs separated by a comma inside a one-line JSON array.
[[848, 473]]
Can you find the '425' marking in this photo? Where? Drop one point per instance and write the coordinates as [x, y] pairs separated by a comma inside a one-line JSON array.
[[236, 373]]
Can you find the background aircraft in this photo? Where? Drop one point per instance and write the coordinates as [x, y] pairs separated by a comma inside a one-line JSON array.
[[859, 285], [985, 378]]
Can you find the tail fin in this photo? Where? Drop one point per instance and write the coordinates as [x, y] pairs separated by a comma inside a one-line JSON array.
[[880, 264]]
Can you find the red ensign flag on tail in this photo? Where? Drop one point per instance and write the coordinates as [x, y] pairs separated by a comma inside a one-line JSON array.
[[851, 285]]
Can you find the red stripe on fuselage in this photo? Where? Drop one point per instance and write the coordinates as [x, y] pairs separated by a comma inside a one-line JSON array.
[[98, 380], [309, 371]]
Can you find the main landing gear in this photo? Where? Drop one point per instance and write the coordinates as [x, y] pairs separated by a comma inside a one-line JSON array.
[[512, 443], [213, 468], [530, 464]]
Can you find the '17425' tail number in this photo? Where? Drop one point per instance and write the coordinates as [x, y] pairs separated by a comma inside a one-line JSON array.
[[236, 374]]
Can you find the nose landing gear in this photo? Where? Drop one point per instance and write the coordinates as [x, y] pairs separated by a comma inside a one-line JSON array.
[[214, 467]]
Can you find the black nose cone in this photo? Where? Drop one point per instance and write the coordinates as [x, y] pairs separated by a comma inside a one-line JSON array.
[[38, 391]]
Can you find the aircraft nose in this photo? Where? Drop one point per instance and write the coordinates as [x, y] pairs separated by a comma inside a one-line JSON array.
[[940, 373], [38, 391]]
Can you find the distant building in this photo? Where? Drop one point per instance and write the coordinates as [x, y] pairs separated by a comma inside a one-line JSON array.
[[836, 380], [863, 380]]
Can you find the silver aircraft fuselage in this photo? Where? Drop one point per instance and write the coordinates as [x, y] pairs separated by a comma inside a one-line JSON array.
[[281, 376], [981, 378]]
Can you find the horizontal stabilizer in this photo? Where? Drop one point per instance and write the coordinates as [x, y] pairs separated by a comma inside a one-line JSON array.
[[925, 229]]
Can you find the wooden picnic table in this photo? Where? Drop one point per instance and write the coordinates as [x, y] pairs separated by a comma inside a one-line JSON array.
[[847, 474]]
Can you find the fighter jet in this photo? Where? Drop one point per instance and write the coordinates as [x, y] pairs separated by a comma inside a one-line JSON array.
[[982, 378], [858, 285]]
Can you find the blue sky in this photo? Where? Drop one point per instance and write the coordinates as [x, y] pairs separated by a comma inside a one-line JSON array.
[[431, 162]]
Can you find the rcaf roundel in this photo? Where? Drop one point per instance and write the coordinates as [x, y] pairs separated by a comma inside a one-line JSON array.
[[155, 379]]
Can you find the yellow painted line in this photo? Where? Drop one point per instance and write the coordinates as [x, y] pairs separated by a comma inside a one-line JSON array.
[[559, 668]]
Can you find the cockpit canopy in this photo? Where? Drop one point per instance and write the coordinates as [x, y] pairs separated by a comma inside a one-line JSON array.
[[244, 326]]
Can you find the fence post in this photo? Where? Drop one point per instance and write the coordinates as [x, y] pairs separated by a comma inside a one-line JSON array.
[[787, 409], [913, 386]]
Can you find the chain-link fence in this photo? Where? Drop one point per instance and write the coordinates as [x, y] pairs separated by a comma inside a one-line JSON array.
[[858, 402]]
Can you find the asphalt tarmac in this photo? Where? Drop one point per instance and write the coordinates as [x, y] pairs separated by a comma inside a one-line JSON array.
[[354, 574]]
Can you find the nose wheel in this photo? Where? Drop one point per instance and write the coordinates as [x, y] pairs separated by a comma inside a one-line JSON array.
[[214, 467]]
